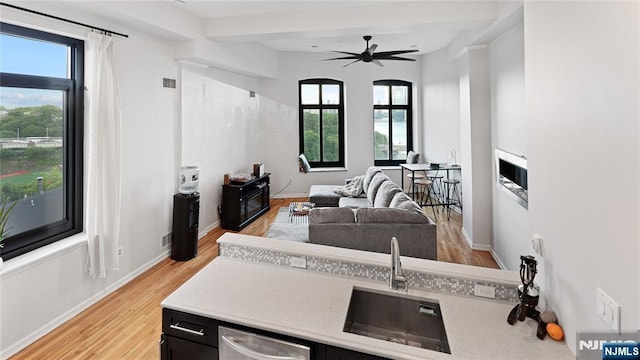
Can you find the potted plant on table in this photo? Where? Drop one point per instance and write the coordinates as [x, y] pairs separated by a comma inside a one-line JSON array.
[[5, 210]]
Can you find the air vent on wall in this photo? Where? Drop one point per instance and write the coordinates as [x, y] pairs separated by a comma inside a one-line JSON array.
[[169, 83]]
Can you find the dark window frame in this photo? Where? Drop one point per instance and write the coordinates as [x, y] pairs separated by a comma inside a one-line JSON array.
[[390, 107], [320, 107], [73, 126]]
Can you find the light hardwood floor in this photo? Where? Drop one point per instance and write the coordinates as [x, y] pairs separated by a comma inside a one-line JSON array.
[[127, 323]]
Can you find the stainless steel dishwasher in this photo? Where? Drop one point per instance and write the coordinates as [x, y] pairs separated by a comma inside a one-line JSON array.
[[240, 345]]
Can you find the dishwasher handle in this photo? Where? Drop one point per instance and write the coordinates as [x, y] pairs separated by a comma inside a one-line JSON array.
[[254, 354]]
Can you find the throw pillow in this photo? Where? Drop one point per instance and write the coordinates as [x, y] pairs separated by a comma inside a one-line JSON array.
[[368, 176], [303, 164], [331, 216], [377, 180], [390, 216], [385, 194], [412, 157]]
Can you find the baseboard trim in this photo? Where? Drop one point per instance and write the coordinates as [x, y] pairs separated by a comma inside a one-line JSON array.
[[497, 259], [205, 231], [467, 237], [53, 324], [483, 248]]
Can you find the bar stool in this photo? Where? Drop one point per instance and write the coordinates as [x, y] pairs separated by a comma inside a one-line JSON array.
[[453, 195], [437, 186], [426, 187], [413, 177]]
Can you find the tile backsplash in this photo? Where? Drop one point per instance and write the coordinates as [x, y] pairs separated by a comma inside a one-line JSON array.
[[416, 279]]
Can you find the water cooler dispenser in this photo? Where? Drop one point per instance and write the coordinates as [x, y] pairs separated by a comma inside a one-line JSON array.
[[186, 208]]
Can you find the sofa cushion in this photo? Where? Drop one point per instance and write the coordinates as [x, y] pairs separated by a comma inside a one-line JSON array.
[[377, 180], [323, 195], [354, 203], [331, 215], [398, 199], [405, 204], [368, 176], [389, 215], [385, 194]]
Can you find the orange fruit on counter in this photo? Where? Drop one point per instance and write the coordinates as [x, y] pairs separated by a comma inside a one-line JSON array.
[[555, 331]]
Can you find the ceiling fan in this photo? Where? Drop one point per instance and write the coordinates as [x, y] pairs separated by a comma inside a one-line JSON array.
[[369, 54]]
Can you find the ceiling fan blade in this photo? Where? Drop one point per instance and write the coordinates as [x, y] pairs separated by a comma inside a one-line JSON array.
[[344, 58], [395, 58], [346, 53], [377, 62], [392, 53], [372, 49], [352, 63]]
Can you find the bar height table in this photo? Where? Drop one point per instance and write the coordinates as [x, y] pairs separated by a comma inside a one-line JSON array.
[[425, 167]]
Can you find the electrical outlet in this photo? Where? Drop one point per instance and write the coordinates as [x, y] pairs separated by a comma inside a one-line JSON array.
[[485, 291], [166, 240], [298, 262], [120, 251], [536, 244], [607, 309]]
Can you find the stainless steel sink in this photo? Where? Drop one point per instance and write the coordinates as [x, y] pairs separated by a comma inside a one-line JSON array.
[[397, 318]]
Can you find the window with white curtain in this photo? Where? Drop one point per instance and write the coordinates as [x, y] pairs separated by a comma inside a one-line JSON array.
[[41, 137]]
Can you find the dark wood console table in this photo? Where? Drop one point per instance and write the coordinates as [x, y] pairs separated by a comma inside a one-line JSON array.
[[244, 202]]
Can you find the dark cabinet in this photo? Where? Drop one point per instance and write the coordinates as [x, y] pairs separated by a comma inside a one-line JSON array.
[[187, 337], [173, 348], [244, 202], [191, 337], [334, 353]]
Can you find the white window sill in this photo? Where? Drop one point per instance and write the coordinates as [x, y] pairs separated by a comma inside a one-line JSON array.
[[336, 169], [38, 256]]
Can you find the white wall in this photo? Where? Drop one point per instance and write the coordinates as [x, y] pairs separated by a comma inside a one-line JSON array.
[[511, 231], [279, 117], [37, 297], [475, 142], [582, 110], [220, 132], [440, 106]]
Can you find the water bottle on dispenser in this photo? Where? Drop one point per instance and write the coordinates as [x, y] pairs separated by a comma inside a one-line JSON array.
[[189, 178]]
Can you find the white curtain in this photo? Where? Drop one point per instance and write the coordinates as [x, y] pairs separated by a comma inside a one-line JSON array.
[[102, 155]]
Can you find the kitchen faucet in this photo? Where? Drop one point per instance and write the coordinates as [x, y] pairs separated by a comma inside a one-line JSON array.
[[396, 278]]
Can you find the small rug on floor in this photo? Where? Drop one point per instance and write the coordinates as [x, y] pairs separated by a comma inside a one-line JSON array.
[[282, 229]]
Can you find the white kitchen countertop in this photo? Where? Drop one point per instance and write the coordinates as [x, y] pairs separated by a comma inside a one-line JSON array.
[[313, 306]]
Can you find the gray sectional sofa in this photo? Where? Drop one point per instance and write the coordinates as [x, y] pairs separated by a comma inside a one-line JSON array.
[[368, 221]]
